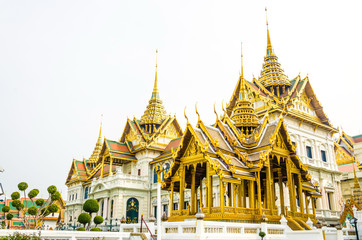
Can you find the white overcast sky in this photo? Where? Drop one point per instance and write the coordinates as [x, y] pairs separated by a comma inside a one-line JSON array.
[[64, 63]]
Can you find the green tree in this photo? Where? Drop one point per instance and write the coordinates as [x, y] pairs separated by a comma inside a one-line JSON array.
[[98, 220], [84, 218], [39, 208], [5, 209], [9, 216], [262, 235], [91, 206]]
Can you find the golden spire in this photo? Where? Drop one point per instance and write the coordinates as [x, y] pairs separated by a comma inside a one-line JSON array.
[[155, 112], [97, 149], [272, 75], [100, 129], [269, 48], [155, 89], [243, 114], [242, 67]]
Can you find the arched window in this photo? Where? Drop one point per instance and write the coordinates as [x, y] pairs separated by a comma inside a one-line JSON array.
[[154, 176], [112, 205], [86, 191]]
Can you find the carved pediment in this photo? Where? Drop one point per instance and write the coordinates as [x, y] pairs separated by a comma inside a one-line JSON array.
[[131, 136], [192, 149], [171, 132]]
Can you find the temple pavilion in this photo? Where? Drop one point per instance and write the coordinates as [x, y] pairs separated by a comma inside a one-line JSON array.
[[250, 160]]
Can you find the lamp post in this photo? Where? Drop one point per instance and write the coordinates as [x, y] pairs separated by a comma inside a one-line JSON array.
[[354, 223]]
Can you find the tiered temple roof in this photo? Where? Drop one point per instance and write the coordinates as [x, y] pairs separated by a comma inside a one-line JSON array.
[[153, 131], [246, 165], [272, 75]]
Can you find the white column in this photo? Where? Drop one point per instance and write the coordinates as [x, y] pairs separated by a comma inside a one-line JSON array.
[[159, 229], [105, 208]]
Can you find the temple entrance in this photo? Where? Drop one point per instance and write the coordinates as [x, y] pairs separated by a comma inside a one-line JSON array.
[[132, 210]]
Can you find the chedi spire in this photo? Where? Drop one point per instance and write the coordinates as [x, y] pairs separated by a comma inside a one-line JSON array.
[[155, 112], [272, 76]]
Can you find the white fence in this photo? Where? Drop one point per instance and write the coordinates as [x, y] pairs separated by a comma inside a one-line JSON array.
[[200, 230], [72, 235]]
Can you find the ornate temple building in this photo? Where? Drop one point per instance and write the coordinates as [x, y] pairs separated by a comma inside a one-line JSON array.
[[349, 165], [118, 173], [238, 168], [270, 153], [310, 131]]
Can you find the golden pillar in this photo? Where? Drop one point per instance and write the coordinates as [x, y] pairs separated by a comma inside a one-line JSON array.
[[243, 193], [269, 199], [234, 187], [259, 191], [193, 193], [209, 187], [201, 201], [306, 203], [313, 205], [182, 187], [171, 197], [272, 183], [222, 200], [300, 193], [230, 194], [110, 165], [251, 194], [265, 205], [291, 187], [281, 191], [240, 196]]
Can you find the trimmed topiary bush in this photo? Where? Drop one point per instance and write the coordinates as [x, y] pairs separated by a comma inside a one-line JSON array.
[[53, 208], [91, 206], [52, 189], [5, 209], [16, 203], [262, 235], [81, 229], [39, 202], [96, 229], [20, 207], [55, 196], [33, 193], [9, 216], [84, 218], [22, 186], [15, 195], [33, 211], [98, 220]]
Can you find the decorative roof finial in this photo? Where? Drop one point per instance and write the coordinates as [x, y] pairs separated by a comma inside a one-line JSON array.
[[217, 117], [155, 89], [198, 115], [186, 116], [242, 67], [269, 45], [100, 129]]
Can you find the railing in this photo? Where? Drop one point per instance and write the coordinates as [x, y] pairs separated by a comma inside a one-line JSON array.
[[220, 230], [73, 235]]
